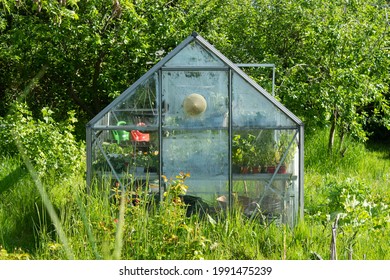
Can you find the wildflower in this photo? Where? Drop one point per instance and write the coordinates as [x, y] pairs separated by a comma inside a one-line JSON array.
[[165, 179]]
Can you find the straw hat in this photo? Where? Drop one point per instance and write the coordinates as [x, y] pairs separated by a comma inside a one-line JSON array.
[[194, 104]]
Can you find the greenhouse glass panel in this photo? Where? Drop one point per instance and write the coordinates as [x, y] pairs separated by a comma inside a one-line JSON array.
[[137, 108], [127, 162], [195, 99], [194, 55], [265, 172], [252, 109], [203, 154]]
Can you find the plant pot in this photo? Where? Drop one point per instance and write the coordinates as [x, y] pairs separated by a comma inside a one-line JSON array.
[[271, 169], [256, 169], [282, 169], [244, 169]]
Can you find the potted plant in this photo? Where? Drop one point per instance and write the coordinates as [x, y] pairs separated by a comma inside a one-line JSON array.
[[273, 162], [264, 149], [119, 157], [237, 154], [140, 161], [256, 158], [280, 149], [244, 153]]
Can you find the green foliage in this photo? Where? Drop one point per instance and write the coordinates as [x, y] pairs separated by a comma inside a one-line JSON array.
[[358, 211], [243, 149], [50, 146], [331, 57], [345, 158], [358, 208], [259, 148], [353, 187], [17, 196], [19, 255], [81, 55], [340, 87]]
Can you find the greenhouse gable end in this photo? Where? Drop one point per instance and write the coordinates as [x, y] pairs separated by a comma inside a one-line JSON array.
[[197, 112]]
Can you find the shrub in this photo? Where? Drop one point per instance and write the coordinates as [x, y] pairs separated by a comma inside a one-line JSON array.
[[357, 209], [49, 145]]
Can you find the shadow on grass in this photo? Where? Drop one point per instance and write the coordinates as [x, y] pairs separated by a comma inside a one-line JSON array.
[[12, 178], [380, 146], [21, 234]]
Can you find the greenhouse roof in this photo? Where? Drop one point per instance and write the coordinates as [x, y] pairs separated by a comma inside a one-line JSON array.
[[196, 54]]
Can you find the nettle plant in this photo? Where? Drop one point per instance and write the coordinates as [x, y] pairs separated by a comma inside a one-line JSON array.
[[49, 145]]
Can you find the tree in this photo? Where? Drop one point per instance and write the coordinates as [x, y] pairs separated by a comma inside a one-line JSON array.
[[81, 54], [70, 43], [332, 57], [341, 72]]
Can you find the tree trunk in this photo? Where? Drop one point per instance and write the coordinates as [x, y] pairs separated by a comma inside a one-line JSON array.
[[342, 149], [332, 131], [333, 250]]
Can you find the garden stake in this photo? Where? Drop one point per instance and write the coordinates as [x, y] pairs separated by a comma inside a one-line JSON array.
[[333, 252]]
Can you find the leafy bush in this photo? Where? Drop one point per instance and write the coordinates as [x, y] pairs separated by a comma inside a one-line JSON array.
[[49, 145], [357, 209]]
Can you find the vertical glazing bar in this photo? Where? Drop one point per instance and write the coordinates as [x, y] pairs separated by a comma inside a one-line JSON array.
[[230, 135], [160, 133], [301, 171], [89, 157]]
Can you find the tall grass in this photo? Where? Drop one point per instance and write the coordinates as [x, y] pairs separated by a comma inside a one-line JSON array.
[[18, 200], [369, 164], [98, 226]]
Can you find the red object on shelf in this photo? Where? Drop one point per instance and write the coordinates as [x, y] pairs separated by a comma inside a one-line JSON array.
[[138, 136]]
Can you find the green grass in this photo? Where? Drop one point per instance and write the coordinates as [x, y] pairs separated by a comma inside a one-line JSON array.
[[18, 201], [96, 227]]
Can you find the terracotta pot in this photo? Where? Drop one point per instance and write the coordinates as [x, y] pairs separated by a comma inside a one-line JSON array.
[[256, 169], [271, 169], [282, 169], [244, 169]]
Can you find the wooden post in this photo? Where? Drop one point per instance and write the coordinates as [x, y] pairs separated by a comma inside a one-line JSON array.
[[333, 251]]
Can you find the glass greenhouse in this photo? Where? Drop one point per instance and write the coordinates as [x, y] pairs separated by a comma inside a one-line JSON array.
[[197, 112]]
